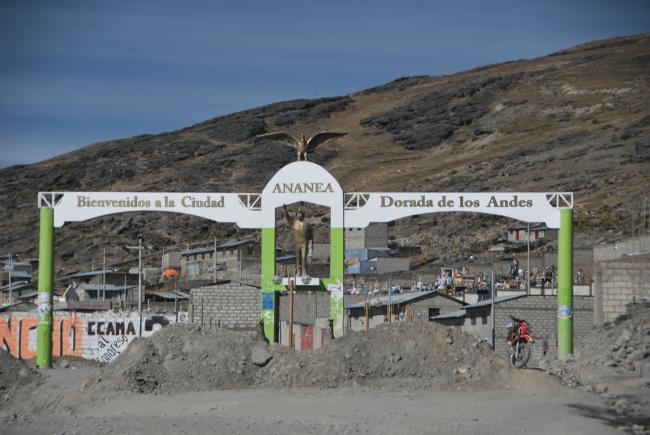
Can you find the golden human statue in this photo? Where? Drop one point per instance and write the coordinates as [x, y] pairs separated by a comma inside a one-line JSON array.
[[303, 237], [302, 145]]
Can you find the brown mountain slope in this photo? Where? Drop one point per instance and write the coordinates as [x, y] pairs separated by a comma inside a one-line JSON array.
[[577, 120]]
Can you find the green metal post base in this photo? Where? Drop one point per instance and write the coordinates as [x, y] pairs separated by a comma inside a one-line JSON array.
[[565, 285], [45, 286]]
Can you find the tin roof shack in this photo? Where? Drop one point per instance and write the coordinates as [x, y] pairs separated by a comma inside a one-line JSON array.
[[229, 258], [119, 288], [412, 306], [475, 319], [167, 301], [21, 291], [17, 271]]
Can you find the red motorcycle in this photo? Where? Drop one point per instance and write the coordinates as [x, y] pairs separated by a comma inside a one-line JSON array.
[[521, 342]]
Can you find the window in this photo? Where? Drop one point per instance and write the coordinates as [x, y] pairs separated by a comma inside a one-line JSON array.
[[434, 312], [473, 318], [484, 318]]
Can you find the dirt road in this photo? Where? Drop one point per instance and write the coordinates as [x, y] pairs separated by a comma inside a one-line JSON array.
[[530, 405]]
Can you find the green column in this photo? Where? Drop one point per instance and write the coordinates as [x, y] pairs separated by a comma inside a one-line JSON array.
[[45, 285], [334, 283], [565, 284], [268, 288]]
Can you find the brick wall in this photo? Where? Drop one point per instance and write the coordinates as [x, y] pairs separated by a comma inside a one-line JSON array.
[[307, 306], [618, 283], [231, 305], [541, 314]]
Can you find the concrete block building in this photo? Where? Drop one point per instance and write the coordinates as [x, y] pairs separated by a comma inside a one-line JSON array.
[[200, 263], [373, 236], [415, 306]]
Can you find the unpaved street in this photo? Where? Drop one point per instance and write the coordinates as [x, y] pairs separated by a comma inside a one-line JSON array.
[[530, 406]]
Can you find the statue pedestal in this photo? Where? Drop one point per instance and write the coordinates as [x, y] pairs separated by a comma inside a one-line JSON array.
[[312, 282]]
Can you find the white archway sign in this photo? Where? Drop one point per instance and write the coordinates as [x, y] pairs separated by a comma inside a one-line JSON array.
[[309, 182], [362, 209]]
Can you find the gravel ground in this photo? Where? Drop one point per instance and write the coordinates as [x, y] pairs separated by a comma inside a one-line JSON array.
[[522, 408], [400, 378]]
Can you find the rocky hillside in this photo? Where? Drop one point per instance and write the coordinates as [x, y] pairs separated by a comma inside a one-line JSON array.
[[577, 120]]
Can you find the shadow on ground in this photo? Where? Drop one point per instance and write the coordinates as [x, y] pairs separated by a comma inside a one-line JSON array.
[[630, 423]]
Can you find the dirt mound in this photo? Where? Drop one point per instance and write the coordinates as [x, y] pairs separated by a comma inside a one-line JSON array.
[[191, 358], [619, 349], [184, 358], [614, 359], [15, 377], [430, 353]]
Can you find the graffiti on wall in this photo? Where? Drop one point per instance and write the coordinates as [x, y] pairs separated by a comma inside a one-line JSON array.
[[99, 336]]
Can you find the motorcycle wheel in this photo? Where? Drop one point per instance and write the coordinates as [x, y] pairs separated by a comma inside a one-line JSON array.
[[521, 358]]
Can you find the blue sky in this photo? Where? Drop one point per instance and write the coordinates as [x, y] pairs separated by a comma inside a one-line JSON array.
[[77, 72]]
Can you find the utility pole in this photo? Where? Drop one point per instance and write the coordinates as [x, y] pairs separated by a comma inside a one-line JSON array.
[[528, 260], [104, 276], [175, 301], [240, 264], [139, 248], [11, 292], [291, 287], [214, 262], [543, 251], [493, 291], [390, 300], [366, 309]]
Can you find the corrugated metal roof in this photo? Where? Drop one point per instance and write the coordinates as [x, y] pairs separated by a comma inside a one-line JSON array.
[[18, 285], [394, 299], [487, 302], [233, 244], [537, 226], [97, 272], [170, 295], [498, 300], [452, 315], [193, 251], [109, 287], [5, 306], [20, 274], [205, 249], [28, 295]]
